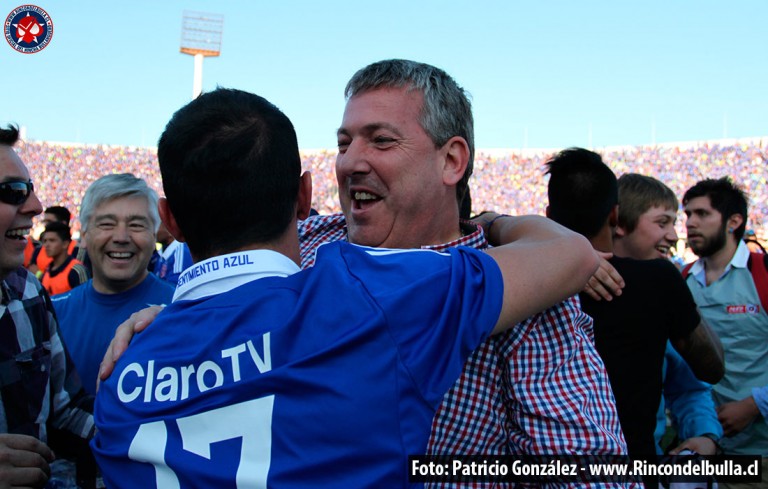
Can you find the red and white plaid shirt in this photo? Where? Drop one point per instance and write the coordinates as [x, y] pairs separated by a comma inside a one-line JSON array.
[[539, 388]]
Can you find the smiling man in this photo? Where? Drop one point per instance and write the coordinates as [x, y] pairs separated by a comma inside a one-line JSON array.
[[390, 174], [40, 392], [406, 150], [646, 230], [321, 378], [119, 221], [632, 330], [646, 226]]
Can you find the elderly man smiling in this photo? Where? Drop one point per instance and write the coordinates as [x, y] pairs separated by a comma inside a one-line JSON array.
[[119, 222]]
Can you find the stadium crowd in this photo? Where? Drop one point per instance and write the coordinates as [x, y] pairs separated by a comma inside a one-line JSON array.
[[581, 341], [511, 179]]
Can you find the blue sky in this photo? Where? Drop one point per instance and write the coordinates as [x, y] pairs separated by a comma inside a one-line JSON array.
[[545, 74]]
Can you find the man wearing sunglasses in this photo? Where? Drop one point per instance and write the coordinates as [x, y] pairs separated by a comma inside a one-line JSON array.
[[39, 387]]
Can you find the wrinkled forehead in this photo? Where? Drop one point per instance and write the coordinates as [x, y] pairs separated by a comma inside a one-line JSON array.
[[124, 205], [393, 108]]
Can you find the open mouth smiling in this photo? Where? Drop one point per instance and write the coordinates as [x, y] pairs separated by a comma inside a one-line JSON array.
[[120, 255], [18, 233], [362, 200]]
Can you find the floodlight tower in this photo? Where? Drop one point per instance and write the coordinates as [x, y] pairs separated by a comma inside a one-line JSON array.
[[201, 37]]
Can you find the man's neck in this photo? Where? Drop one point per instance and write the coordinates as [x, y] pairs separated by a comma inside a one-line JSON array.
[[109, 287], [447, 229], [603, 240], [59, 260], [715, 264], [287, 244]]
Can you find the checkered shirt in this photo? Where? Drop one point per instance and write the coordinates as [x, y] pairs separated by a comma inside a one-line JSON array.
[[38, 381], [538, 388]]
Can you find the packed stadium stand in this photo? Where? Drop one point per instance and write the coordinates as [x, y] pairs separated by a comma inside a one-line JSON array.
[[507, 180]]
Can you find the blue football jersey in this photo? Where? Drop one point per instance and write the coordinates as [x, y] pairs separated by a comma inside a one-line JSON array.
[[88, 320], [327, 377], [172, 262]]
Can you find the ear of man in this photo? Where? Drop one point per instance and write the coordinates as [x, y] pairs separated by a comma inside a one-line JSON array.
[[734, 222], [613, 217], [304, 200], [619, 231], [456, 159], [169, 220]]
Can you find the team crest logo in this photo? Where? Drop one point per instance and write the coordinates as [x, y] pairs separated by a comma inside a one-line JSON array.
[[28, 29]]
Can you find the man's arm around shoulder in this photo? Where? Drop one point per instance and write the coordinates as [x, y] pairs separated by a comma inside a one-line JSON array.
[[543, 264]]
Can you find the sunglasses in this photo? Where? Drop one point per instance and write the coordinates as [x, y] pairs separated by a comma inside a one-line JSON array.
[[15, 193]]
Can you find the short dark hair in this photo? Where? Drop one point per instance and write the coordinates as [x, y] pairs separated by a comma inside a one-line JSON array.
[[9, 136], [582, 190], [231, 169], [59, 228], [726, 198], [62, 213]]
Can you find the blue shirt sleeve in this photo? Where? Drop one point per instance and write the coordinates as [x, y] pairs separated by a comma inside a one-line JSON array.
[[760, 394], [689, 399], [438, 306]]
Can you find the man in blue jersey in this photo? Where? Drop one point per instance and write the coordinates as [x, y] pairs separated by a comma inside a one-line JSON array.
[[400, 187], [172, 259], [277, 382], [119, 221]]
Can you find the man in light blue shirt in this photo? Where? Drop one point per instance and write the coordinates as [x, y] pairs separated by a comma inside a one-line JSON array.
[[722, 284]]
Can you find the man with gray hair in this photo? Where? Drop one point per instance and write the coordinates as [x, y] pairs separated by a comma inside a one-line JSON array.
[[119, 220], [406, 147]]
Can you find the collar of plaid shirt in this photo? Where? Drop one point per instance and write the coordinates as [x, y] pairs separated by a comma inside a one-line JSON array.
[[318, 230]]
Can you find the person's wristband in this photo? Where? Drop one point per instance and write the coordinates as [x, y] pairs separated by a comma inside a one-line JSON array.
[[715, 439], [490, 223], [711, 436]]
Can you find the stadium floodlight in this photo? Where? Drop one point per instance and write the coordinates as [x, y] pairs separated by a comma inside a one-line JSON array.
[[200, 37]]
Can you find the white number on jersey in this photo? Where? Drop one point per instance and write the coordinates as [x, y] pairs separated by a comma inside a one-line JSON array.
[[249, 420]]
